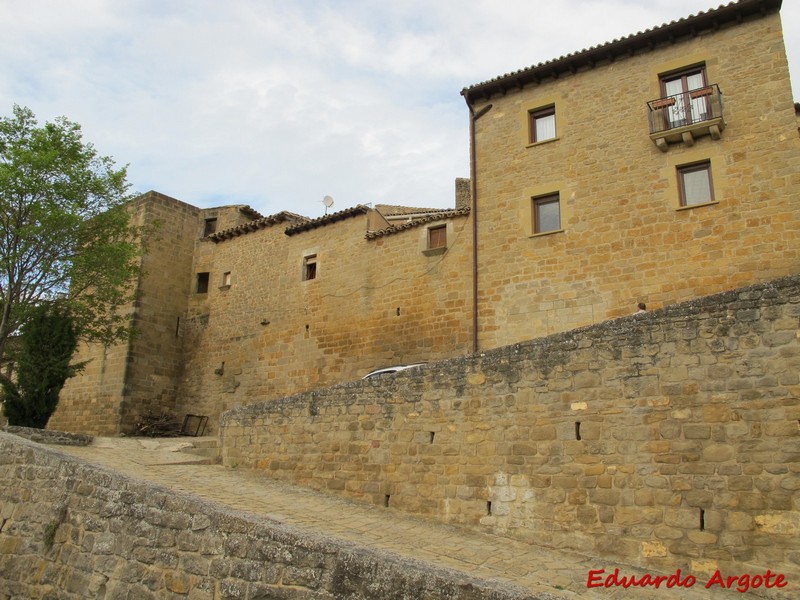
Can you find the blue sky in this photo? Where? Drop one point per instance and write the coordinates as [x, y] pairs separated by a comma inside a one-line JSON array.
[[276, 104]]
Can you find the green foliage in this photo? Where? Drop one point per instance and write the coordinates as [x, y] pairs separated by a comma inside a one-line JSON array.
[[51, 529], [50, 534], [65, 232], [47, 344]]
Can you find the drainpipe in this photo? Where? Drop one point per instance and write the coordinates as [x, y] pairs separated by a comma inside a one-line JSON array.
[[473, 177]]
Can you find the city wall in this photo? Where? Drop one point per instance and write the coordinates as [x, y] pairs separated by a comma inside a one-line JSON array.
[[667, 439], [69, 530]]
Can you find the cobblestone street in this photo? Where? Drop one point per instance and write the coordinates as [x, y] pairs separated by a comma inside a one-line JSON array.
[[538, 569]]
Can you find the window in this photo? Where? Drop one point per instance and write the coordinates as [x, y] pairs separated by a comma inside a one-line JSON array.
[[202, 283], [310, 267], [226, 279], [694, 184], [546, 214], [684, 107], [437, 237], [543, 124], [210, 227]]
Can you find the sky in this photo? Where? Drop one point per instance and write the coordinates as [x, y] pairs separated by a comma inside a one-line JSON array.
[[277, 104]]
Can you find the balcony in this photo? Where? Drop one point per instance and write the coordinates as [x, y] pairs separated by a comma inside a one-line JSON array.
[[686, 116]]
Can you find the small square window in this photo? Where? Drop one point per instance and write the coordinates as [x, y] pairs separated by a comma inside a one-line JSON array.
[[694, 184], [542, 124], [546, 213], [209, 227], [310, 267], [202, 283], [437, 237]]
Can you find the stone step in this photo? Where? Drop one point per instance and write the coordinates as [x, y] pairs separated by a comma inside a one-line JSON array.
[[206, 448], [208, 441]]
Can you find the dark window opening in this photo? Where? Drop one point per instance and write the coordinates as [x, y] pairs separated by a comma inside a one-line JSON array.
[[310, 267], [210, 227], [202, 283]]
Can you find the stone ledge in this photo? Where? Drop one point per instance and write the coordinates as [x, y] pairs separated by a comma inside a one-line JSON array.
[[47, 436]]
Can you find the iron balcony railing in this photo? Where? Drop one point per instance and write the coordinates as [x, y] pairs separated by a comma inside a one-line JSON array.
[[686, 109]]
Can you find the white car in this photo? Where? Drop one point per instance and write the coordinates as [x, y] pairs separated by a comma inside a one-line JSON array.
[[387, 370]]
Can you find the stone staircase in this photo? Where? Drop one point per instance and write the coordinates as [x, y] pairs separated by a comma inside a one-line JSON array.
[[185, 450], [205, 449]]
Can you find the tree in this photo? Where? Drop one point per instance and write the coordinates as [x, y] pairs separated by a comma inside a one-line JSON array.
[[46, 346], [65, 232]]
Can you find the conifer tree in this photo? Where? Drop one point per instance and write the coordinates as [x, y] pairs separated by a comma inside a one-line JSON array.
[[46, 345]]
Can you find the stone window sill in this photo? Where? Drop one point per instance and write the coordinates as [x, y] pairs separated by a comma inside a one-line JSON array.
[[544, 233]]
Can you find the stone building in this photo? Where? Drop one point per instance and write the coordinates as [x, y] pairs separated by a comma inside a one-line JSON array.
[[235, 307], [655, 168]]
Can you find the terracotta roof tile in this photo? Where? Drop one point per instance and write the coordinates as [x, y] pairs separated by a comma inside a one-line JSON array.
[[445, 214], [390, 210], [642, 41], [255, 225], [327, 219]]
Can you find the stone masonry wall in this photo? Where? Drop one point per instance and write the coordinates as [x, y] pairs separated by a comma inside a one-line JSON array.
[[373, 303], [122, 382], [70, 531], [624, 237], [667, 439]]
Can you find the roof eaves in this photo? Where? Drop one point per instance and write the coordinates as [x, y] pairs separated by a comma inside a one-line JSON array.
[[327, 219], [255, 225], [250, 211], [393, 210], [646, 40], [391, 230]]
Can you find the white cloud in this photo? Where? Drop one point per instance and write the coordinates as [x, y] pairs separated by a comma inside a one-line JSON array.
[[277, 104]]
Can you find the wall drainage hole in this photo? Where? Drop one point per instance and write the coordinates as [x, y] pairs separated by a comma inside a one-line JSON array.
[[489, 507], [433, 435], [386, 500]]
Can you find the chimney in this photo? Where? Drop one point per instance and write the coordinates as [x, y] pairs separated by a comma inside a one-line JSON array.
[[463, 198]]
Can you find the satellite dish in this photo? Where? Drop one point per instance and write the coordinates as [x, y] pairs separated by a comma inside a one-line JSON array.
[[328, 202]]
